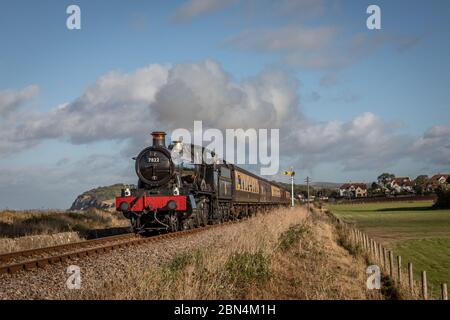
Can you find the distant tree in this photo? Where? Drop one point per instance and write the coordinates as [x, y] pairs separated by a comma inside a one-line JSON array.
[[443, 196], [420, 184], [448, 179], [385, 178], [334, 194], [374, 189]]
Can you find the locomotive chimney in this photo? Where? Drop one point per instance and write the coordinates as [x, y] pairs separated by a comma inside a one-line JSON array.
[[159, 139]]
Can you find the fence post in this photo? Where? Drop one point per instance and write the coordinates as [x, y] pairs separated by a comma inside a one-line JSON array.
[[391, 264], [380, 253], [424, 286], [384, 258], [444, 291], [399, 271], [410, 277]]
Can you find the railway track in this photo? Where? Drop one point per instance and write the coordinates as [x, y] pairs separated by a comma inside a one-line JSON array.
[[39, 258]]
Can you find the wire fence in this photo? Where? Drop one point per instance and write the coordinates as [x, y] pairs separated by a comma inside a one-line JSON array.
[[401, 273]]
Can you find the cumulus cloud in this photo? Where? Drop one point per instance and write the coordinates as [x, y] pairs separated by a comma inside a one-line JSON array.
[[127, 107], [195, 8], [327, 47], [12, 100], [294, 9], [434, 145], [204, 91], [321, 47], [366, 142]]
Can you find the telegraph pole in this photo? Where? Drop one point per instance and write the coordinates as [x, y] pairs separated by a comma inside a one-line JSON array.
[[291, 173], [307, 180]]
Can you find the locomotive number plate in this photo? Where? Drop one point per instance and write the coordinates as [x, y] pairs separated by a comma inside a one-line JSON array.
[[153, 159]]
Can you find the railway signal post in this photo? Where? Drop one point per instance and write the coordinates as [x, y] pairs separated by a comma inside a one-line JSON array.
[[307, 180], [291, 173]]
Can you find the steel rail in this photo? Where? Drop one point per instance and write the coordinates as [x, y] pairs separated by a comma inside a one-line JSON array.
[[87, 248]]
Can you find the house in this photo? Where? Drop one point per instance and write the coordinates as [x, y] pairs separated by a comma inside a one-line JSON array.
[[435, 181], [353, 190], [402, 184]]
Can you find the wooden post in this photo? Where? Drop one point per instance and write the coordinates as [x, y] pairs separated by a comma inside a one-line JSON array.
[[410, 277], [399, 270], [380, 254], [384, 258], [372, 247], [424, 286], [377, 252], [391, 264], [444, 291]]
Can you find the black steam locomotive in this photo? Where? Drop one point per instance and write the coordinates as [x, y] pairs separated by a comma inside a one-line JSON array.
[[182, 187]]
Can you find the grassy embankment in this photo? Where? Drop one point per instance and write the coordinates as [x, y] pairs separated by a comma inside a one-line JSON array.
[[281, 255], [21, 230], [413, 230]]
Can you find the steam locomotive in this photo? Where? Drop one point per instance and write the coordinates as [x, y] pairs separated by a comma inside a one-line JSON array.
[[183, 186]]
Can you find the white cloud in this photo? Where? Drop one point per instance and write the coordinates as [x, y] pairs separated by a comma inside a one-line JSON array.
[[194, 8], [128, 106], [12, 100], [434, 146], [366, 142], [321, 47]]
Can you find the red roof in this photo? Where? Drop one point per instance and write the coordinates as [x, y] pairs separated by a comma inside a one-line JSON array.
[[403, 181], [355, 185], [436, 177]]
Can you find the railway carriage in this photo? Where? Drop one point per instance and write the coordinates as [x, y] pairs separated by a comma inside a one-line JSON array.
[[182, 187]]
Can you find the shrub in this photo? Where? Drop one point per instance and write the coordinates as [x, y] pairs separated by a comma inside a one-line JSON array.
[[248, 268], [291, 236], [443, 198]]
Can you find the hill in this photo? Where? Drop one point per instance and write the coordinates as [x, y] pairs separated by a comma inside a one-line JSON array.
[[100, 198]]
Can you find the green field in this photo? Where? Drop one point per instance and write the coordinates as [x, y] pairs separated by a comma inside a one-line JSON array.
[[413, 230]]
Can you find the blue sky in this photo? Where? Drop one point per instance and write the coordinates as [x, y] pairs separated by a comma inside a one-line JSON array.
[[362, 101]]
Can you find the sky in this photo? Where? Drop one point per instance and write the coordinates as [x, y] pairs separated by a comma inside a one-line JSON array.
[[350, 103]]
